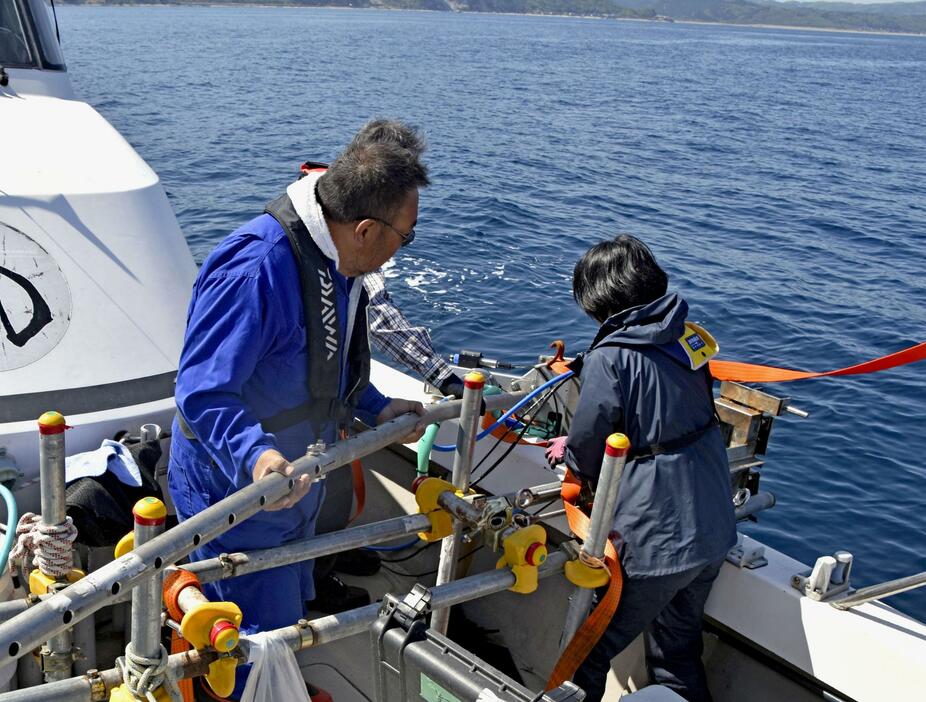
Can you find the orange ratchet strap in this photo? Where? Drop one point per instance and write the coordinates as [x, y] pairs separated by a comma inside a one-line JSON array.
[[751, 373], [592, 628], [360, 487], [178, 645]]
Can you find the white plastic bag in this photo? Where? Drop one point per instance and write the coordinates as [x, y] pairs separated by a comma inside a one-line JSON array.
[[275, 674]]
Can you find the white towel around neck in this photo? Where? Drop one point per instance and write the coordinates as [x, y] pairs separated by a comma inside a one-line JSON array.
[[302, 194]]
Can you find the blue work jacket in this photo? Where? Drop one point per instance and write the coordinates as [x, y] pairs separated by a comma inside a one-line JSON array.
[[244, 357], [674, 510]]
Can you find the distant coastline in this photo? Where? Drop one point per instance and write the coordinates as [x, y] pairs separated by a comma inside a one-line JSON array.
[[594, 9]]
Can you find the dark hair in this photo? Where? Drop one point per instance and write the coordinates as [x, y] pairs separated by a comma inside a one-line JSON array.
[[374, 174], [615, 275]]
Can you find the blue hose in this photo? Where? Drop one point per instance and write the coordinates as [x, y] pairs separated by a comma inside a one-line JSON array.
[[485, 432], [12, 519]]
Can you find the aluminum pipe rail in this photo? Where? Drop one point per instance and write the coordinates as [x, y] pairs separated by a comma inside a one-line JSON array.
[[547, 491], [57, 654], [874, 592], [25, 632], [473, 384], [150, 515], [305, 634], [234, 564], [617, 447], [755, 504]]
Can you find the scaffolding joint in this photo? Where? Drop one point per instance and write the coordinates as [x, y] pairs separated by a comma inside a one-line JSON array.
[[524, 551], [228, 565], [306, 634]]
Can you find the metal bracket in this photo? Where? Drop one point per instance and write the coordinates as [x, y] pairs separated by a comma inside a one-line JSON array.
[[414, 607], [828, 577], [747, 556], [306, 633], [496, 518], [9, 472], [567, 692], [97, 685], [228, 565], [56, 662]]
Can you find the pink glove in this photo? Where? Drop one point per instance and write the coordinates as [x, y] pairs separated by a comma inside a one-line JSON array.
[[556, 450]]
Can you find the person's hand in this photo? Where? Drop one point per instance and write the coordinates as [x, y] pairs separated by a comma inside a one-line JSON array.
[[399, 407], [556, 451], [272, 461]]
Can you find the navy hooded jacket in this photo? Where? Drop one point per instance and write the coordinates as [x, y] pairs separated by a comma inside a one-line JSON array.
[[674, 511]]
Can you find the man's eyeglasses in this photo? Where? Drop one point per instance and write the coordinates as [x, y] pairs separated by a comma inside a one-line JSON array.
[[407, 238]]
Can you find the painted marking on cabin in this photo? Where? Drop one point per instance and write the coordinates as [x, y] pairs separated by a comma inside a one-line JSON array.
[[35, 300]]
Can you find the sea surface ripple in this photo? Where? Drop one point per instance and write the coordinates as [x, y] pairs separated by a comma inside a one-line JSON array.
[[779, 176]]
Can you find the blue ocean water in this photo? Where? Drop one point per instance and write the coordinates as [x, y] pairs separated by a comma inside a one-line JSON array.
[[779, 176]]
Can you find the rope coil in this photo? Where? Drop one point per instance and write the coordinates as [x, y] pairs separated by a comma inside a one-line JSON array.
[[47, 546], [142, 676]]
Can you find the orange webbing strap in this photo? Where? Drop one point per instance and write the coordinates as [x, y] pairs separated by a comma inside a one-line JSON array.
[[750, 373], [178, 645], [360, 486], [592, 628], [503, 433]]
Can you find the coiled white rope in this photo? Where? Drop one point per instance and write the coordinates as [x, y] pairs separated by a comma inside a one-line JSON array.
[[48, 546], [142, 676]]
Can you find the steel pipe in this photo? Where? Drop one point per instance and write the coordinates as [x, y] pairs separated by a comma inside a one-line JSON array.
[[231, 565], [305, 634], [874, 592], [25, 632], [473, 384], [755, 504], [57, 653], [617, 447], [235, 564], [528, 496], [149, 514]]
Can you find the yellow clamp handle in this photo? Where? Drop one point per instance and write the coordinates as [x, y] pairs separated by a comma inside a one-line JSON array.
[[426, 496], [524, 552], [122, 694], [40, 584], [584, 575], [215, 624]]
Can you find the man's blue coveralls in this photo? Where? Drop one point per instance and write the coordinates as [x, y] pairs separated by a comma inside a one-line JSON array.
[[244, 359], [674, 516]]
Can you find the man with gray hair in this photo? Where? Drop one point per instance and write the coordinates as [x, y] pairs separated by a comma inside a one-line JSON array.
[[276, 354]]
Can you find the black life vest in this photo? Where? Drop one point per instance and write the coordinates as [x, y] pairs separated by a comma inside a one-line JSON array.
[[322, 329], [323, 337]]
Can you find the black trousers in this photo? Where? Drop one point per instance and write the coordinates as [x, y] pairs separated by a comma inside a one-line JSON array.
[[668, 609], [334, 513]]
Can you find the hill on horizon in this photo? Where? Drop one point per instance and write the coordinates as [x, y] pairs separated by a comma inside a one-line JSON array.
[[812, 14]]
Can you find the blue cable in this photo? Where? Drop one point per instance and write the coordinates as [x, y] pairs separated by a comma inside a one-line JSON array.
[[485, 432], [12, 519], [400, 547]]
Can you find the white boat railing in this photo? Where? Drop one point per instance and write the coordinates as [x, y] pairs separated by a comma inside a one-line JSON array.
[[876, 592]]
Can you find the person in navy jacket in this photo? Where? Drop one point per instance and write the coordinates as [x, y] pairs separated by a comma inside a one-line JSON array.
[[245, 382], [674, 519]]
